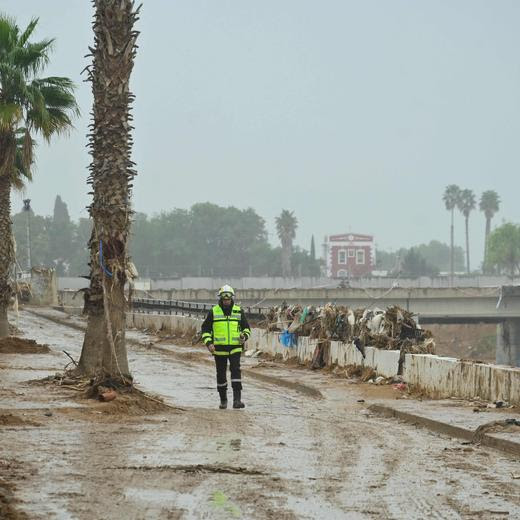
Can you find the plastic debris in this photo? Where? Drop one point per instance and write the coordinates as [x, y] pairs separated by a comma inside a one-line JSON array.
[[288, 339], [391, 329]]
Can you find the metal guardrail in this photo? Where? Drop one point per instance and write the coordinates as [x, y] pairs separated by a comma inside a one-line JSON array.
[[147, 305]]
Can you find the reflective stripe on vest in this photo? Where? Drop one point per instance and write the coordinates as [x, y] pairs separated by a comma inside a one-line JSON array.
[[226, 329], [227, 353]]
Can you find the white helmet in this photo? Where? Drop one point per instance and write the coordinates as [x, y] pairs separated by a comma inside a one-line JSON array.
[[226, 290]]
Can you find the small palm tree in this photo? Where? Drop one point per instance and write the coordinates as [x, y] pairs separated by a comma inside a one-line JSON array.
[[29, 105], [466, 205], [451, 197], [104, 352], [286, 225], [489, 204]]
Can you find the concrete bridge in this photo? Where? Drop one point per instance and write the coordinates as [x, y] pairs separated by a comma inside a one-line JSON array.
[[500, 305]]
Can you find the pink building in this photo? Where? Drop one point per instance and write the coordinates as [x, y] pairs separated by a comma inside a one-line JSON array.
[[349, 255]]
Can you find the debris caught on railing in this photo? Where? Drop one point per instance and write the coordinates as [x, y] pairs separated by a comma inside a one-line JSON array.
[[393, 329]]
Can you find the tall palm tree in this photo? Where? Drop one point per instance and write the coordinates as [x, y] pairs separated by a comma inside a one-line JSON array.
[[451, 197], [29, 105], [466, 205], [489, 204], [111, 172], [286, 225]]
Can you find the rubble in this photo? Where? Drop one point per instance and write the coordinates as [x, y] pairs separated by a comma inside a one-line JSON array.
[[391, 329]]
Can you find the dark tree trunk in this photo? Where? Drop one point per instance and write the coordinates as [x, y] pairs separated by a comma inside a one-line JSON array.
[[467, 245], [452, 267], [111, 173], [6, 240], [286, 259], [486, 237]]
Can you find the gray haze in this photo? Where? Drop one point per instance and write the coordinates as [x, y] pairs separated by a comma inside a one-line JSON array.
[[354, 114]]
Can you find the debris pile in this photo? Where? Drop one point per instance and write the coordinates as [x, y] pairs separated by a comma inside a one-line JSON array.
[[393, 329]]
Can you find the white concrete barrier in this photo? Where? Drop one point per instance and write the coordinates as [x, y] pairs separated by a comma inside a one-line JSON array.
[[450, 377], [437, 376]]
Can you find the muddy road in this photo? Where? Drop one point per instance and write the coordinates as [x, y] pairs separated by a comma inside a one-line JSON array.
[[289, 454]]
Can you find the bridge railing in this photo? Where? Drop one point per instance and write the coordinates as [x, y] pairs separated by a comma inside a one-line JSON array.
[[148, 305]]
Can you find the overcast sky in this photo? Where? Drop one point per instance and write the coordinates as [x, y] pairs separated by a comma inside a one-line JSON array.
[[353, 114]]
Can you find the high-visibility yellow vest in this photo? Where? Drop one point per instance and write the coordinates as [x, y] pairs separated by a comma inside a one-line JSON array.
[[226, 329]]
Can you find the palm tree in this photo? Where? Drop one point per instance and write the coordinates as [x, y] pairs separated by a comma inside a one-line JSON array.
[[286, 225], [111, 172], [29, 105], [451, 197], [466, 205], [489, 204]]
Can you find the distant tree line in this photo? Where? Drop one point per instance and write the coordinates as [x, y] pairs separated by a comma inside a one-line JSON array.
[[210, 240], [502, 256], [54, 241], [422, 260], [205, 240]]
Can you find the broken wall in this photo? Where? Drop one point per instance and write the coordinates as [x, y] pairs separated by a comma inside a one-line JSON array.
[[44, 286]]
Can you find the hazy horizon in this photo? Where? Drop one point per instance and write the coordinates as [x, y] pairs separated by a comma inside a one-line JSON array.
[[354, 115]]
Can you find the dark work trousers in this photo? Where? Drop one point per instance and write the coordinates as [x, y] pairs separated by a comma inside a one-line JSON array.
[[234, 367]]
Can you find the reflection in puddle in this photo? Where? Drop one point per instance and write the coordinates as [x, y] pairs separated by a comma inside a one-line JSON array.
[[160, 501]]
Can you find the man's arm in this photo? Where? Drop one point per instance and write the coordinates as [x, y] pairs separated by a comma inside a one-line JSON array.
[[207, 331], [245, 331]]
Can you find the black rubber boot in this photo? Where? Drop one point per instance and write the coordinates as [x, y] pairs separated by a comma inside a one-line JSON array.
[[223, 399], [237, 403]]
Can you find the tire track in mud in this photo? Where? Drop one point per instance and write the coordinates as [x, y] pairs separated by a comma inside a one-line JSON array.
[[400, 462]]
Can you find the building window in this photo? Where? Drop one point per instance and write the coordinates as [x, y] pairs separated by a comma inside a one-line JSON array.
[[360, 257], [351, 253], [342, 273], [342, 256]]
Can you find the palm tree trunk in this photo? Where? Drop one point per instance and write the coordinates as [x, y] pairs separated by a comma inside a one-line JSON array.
[[6, 250], [111, 172], [486, 237], [286, 259], [467, 245], [451, 249]]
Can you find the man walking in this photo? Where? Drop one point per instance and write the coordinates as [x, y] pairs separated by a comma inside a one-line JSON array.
[[224, 332]]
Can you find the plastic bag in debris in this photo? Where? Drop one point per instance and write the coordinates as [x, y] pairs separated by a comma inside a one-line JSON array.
[[288, 339]]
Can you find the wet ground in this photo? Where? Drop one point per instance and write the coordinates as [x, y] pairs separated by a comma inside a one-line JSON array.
[[289, 454]]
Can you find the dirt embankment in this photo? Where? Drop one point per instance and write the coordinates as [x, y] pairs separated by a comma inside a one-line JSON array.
[[15, 345], [469, 341]]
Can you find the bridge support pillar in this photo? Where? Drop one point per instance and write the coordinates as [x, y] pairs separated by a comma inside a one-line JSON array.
[[508, 342]]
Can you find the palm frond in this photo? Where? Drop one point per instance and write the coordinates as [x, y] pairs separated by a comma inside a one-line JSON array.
[[27, 150], [10, 113], [451, 196], [8, 154], [28, 31], [8, 34], [23, 159], [32, 58], [489, 203], [59, 94], [44, 105]]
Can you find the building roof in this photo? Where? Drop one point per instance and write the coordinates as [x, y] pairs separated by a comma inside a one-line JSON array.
[[351, 237]]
